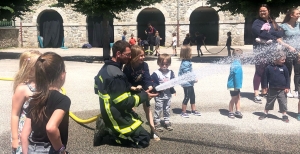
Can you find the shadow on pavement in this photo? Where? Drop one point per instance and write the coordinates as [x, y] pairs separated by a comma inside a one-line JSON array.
[[9, 55], [87, 59], [292, 114], [179, 111], [224, 112], [272, 116]]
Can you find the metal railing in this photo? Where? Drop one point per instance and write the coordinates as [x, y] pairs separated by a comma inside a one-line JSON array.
[[7, 23]]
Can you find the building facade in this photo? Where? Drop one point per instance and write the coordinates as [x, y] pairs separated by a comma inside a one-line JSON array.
[[169, 16]]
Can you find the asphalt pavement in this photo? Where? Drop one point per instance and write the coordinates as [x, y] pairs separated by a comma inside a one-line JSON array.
[[212, 132]]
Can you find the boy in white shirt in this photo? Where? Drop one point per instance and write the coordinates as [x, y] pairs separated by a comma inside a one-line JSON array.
[[174, 44]]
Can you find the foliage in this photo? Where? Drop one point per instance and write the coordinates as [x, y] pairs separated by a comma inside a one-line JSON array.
[[10, 9], [105, 8], [249, 8]]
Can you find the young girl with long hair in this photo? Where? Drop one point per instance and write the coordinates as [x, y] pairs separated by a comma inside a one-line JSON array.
[[23, 88], [137, 72], [47, 116], [188, 87]]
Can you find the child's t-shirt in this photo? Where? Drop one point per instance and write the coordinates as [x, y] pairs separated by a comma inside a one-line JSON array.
[[174, 40], [159, 77], [132, 41]]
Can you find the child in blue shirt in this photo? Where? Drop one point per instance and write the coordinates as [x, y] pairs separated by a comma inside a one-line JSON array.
[[234, 84], [277, 77], [188, 87]]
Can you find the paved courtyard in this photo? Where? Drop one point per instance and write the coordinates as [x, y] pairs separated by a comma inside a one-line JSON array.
[[213, 132]]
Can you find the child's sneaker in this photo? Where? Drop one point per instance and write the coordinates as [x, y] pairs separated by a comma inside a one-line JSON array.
[[285, 118], [168, 126], [290, 95], [196, 113], [185, 115], [257, 99], [298, 117], [296, 94], [158, 127], [238, 114], [155, 136], [231, 115]]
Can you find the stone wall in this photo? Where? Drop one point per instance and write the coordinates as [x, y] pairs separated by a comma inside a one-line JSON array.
[[9, 37], [169, 9], [75, 27]]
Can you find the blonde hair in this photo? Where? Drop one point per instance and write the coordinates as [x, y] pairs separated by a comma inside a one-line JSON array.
[[237, 52], [26, 67], [162, 57], [136, 50], [186, 52]]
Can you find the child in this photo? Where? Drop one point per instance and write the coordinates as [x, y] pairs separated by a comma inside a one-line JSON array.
[[137, 72], [163, 100], [139, 40], [188, 87], [47, 121], [174, 44], [23, 88], [199, 41], [124, 35], [265, 27], [234, 84], [277, 76], [157, 43], [187, 39], [132, 40], [228, 44]]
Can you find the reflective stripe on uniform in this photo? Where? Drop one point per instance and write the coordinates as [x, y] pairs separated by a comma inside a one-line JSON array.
[[137, 100], [101, 78], [121, 97], [125, 130]]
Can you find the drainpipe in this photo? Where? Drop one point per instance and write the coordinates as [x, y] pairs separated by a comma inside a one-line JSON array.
[[177, 22], [21, 35]]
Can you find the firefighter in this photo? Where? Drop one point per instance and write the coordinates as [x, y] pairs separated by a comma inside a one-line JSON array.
[[118, 120]]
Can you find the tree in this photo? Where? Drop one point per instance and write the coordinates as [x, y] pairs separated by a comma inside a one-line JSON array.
[[107, 9], [249, 9], [10, 9]]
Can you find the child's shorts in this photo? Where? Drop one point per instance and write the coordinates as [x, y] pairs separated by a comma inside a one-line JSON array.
[[235, 92], [174, 47]]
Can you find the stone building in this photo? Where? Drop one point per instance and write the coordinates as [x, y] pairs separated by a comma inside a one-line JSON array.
[[186, 16]]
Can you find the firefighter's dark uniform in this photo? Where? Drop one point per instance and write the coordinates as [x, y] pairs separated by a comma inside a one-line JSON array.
[[116, 103]]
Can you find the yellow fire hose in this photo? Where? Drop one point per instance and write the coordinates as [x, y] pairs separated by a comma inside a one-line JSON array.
[[72, 115]]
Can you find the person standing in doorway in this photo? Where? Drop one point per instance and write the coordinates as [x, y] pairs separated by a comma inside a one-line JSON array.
[[199, 41], [150, 32]]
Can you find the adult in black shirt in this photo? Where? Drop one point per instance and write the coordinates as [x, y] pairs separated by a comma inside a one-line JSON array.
[[150, 32]]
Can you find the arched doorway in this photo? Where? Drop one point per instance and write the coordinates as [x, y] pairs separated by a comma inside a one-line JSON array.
[[205, 20], [157, 20], [95, 31], [51, 29]]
